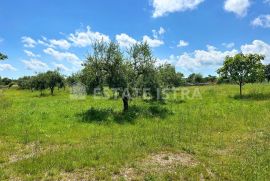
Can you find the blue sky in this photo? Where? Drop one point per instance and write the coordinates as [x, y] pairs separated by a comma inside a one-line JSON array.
[[194, 35]]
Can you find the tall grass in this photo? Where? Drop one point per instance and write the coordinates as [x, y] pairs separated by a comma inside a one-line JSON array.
[[42, 137]]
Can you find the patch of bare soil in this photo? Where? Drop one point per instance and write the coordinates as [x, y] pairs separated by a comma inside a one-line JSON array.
[[31, 150], [25, 152], [171, 159], [157, 163]]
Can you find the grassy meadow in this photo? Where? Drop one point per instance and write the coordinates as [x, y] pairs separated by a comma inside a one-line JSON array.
[[217, 137]]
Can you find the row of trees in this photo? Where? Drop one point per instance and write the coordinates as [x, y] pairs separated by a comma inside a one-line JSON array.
[[136, 68], [42, 81]]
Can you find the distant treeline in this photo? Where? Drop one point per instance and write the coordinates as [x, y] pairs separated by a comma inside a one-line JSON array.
[[169, 77], [109, 66]]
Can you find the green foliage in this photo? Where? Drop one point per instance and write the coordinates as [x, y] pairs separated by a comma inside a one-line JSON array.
[[25, 82], [53, 79], [195, 78], [267, 72], [210, 79], [40, 82], [93, 73], [107, 66], [3, 56], [5, 81], [72, 79], [243, 69], [169, 77], [144, 74]]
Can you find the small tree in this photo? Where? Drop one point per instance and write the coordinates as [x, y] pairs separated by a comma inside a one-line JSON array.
[[3, 57], [40, 82], [53, 79], [242, 69], [267, 72]]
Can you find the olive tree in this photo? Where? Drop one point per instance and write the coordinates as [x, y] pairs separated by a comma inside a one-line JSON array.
[[53, 79], [243, 69], [107, 65]]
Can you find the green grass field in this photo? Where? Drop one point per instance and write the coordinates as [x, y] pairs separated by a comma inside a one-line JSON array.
[[218, 137]]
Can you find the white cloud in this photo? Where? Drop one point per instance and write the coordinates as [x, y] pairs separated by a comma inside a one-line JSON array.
[[72, 58], [35, 65], [30, 54], [28, 42], [44, 42], [161, 31], [259, 47], [263, 21], [53, 43], [267, 1], [4, 67], [64, 44], [86, 38], [164, 7], [170, 60], [203, 58], [152, 42], [182, 43], [124, 40], [239, 7], [212, 58], [61, 67], [228, 45], [158, 33]]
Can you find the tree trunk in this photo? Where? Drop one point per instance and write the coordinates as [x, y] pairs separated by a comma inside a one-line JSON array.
[[241, 90], [125, 103], [52, 91]]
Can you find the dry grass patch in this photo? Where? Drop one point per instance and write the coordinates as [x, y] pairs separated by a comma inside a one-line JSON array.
[[159, 163]]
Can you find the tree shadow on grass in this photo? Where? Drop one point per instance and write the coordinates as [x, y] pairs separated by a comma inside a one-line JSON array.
[[99, 115], [253, 96]]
